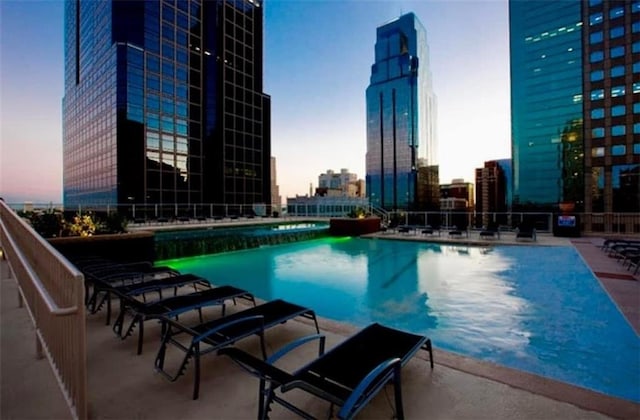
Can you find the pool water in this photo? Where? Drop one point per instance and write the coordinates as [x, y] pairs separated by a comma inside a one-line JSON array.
[[537, 309]]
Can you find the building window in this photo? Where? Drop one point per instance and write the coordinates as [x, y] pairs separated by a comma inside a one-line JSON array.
[[618, 130], [636, 128], [618, 150], [597, 75], [597, 151], [617, 52], [617, 71], [616, 12], [616, 32], [636, 87], [595, 19], [596, 56], [597, 113], [597, 132], [636, 108], [618, 110], [635, 27], [635, 7], [635, 47], [636, 148], [636, 67], [597, 94], [594, 2], [617, 91], [595, 37]]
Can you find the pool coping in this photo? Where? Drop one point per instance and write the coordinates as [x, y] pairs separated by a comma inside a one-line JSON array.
[[560, 391]]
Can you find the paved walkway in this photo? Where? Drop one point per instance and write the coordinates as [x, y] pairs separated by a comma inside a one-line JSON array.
[[124, 386]]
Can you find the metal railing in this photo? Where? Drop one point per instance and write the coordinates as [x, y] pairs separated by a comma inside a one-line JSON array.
[[54, 294]]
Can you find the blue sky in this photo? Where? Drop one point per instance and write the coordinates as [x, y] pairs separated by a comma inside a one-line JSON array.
[[317, 56]]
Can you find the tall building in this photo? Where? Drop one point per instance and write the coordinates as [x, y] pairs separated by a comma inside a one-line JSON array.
[[276, 199], [575, 112], [401, 131], [340, 184], [491, 192], [163, 103]]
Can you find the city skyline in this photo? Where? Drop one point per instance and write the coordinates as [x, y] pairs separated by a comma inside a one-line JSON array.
[[317, 62]]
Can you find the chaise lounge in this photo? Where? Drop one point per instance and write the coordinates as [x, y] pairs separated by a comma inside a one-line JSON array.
[[349, 376], [213, 335]]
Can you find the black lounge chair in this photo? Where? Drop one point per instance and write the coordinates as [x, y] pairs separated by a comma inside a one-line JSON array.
[[348, 376], [491, 231], [526, 231], [431, 230], [214, 335], [172, 307], [456, 232]]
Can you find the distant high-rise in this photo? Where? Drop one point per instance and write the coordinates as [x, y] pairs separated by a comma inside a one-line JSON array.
[[491, 191], [400, 114], [575, 113], [164, 104]]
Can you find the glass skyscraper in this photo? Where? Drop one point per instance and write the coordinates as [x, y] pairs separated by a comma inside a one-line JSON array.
[[575, 112], [163, 103], [400, 114]]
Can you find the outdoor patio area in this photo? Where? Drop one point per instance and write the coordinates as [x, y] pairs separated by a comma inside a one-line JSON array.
[[122, 385]]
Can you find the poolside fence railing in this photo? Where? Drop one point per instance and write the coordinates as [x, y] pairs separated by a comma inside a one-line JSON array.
[[596, 223], [53, 291]]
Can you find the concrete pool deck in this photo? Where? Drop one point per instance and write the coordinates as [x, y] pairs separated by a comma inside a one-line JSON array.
[[123, 385]]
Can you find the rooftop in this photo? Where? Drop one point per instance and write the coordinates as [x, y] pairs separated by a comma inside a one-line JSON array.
[[123, 385]]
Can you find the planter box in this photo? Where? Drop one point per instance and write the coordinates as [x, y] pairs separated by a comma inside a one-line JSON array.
[[120, 247], [353, 227]]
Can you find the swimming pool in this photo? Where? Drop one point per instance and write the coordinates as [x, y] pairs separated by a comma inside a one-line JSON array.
[[538, 309]]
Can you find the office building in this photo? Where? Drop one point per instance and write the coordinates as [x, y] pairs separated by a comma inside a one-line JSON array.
[[401, 130], [457, 195], [340, 184], [575, 112], [491, 192], [276, 199], [163, 103]]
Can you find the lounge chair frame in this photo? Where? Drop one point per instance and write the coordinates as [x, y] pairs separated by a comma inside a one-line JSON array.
[[352, 387], [213, 335]]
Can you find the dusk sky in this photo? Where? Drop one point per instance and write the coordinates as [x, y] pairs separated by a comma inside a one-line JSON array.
[[318, 55]]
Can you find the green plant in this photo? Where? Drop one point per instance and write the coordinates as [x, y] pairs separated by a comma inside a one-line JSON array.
[[114, 223], [48, 224], [82, 225]]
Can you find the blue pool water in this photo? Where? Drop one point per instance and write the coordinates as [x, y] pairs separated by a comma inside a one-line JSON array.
[[538, 309]]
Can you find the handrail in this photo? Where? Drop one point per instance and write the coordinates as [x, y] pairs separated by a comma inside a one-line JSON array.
[[52, 306]]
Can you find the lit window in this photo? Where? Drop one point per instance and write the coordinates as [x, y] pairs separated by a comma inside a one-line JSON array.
[[597, 151], [597, 133], [635, 27], [597, 75], [618, 130], [617, 91], [616, 32], [636, 108], [636, 87], [597, 113], [617, 52], [618, 110], [595, 37], [597, 94], [595, 19], [616, 12], [617, 71], [636, 128], [635, 7], [636, 148], [635, 47], [618, 150], [597, 56]]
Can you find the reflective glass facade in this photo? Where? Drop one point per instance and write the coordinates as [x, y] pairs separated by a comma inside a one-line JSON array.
[[400, 114], [574, 104], [546, 99], [164, 104]]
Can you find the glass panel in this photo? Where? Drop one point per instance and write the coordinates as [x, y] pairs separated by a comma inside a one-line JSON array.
[[625, 183], [595, 19], [617, 110], [597, 151], [597, 132], [617, 71], [636, 128], [597, 75], [597, 189], [617, 52], [596, 56], [636, 148], [618, 130], [597, 113], [636, 67], [597, 94], [617, 91], [618, 150], [595, 37], [616, 12], [616, 32]]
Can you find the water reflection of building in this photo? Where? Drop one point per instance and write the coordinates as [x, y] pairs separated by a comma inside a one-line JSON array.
[[163, 103], [575, 109]]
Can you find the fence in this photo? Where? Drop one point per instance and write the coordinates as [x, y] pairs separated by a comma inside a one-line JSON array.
[[54, 294], [590, 223]]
